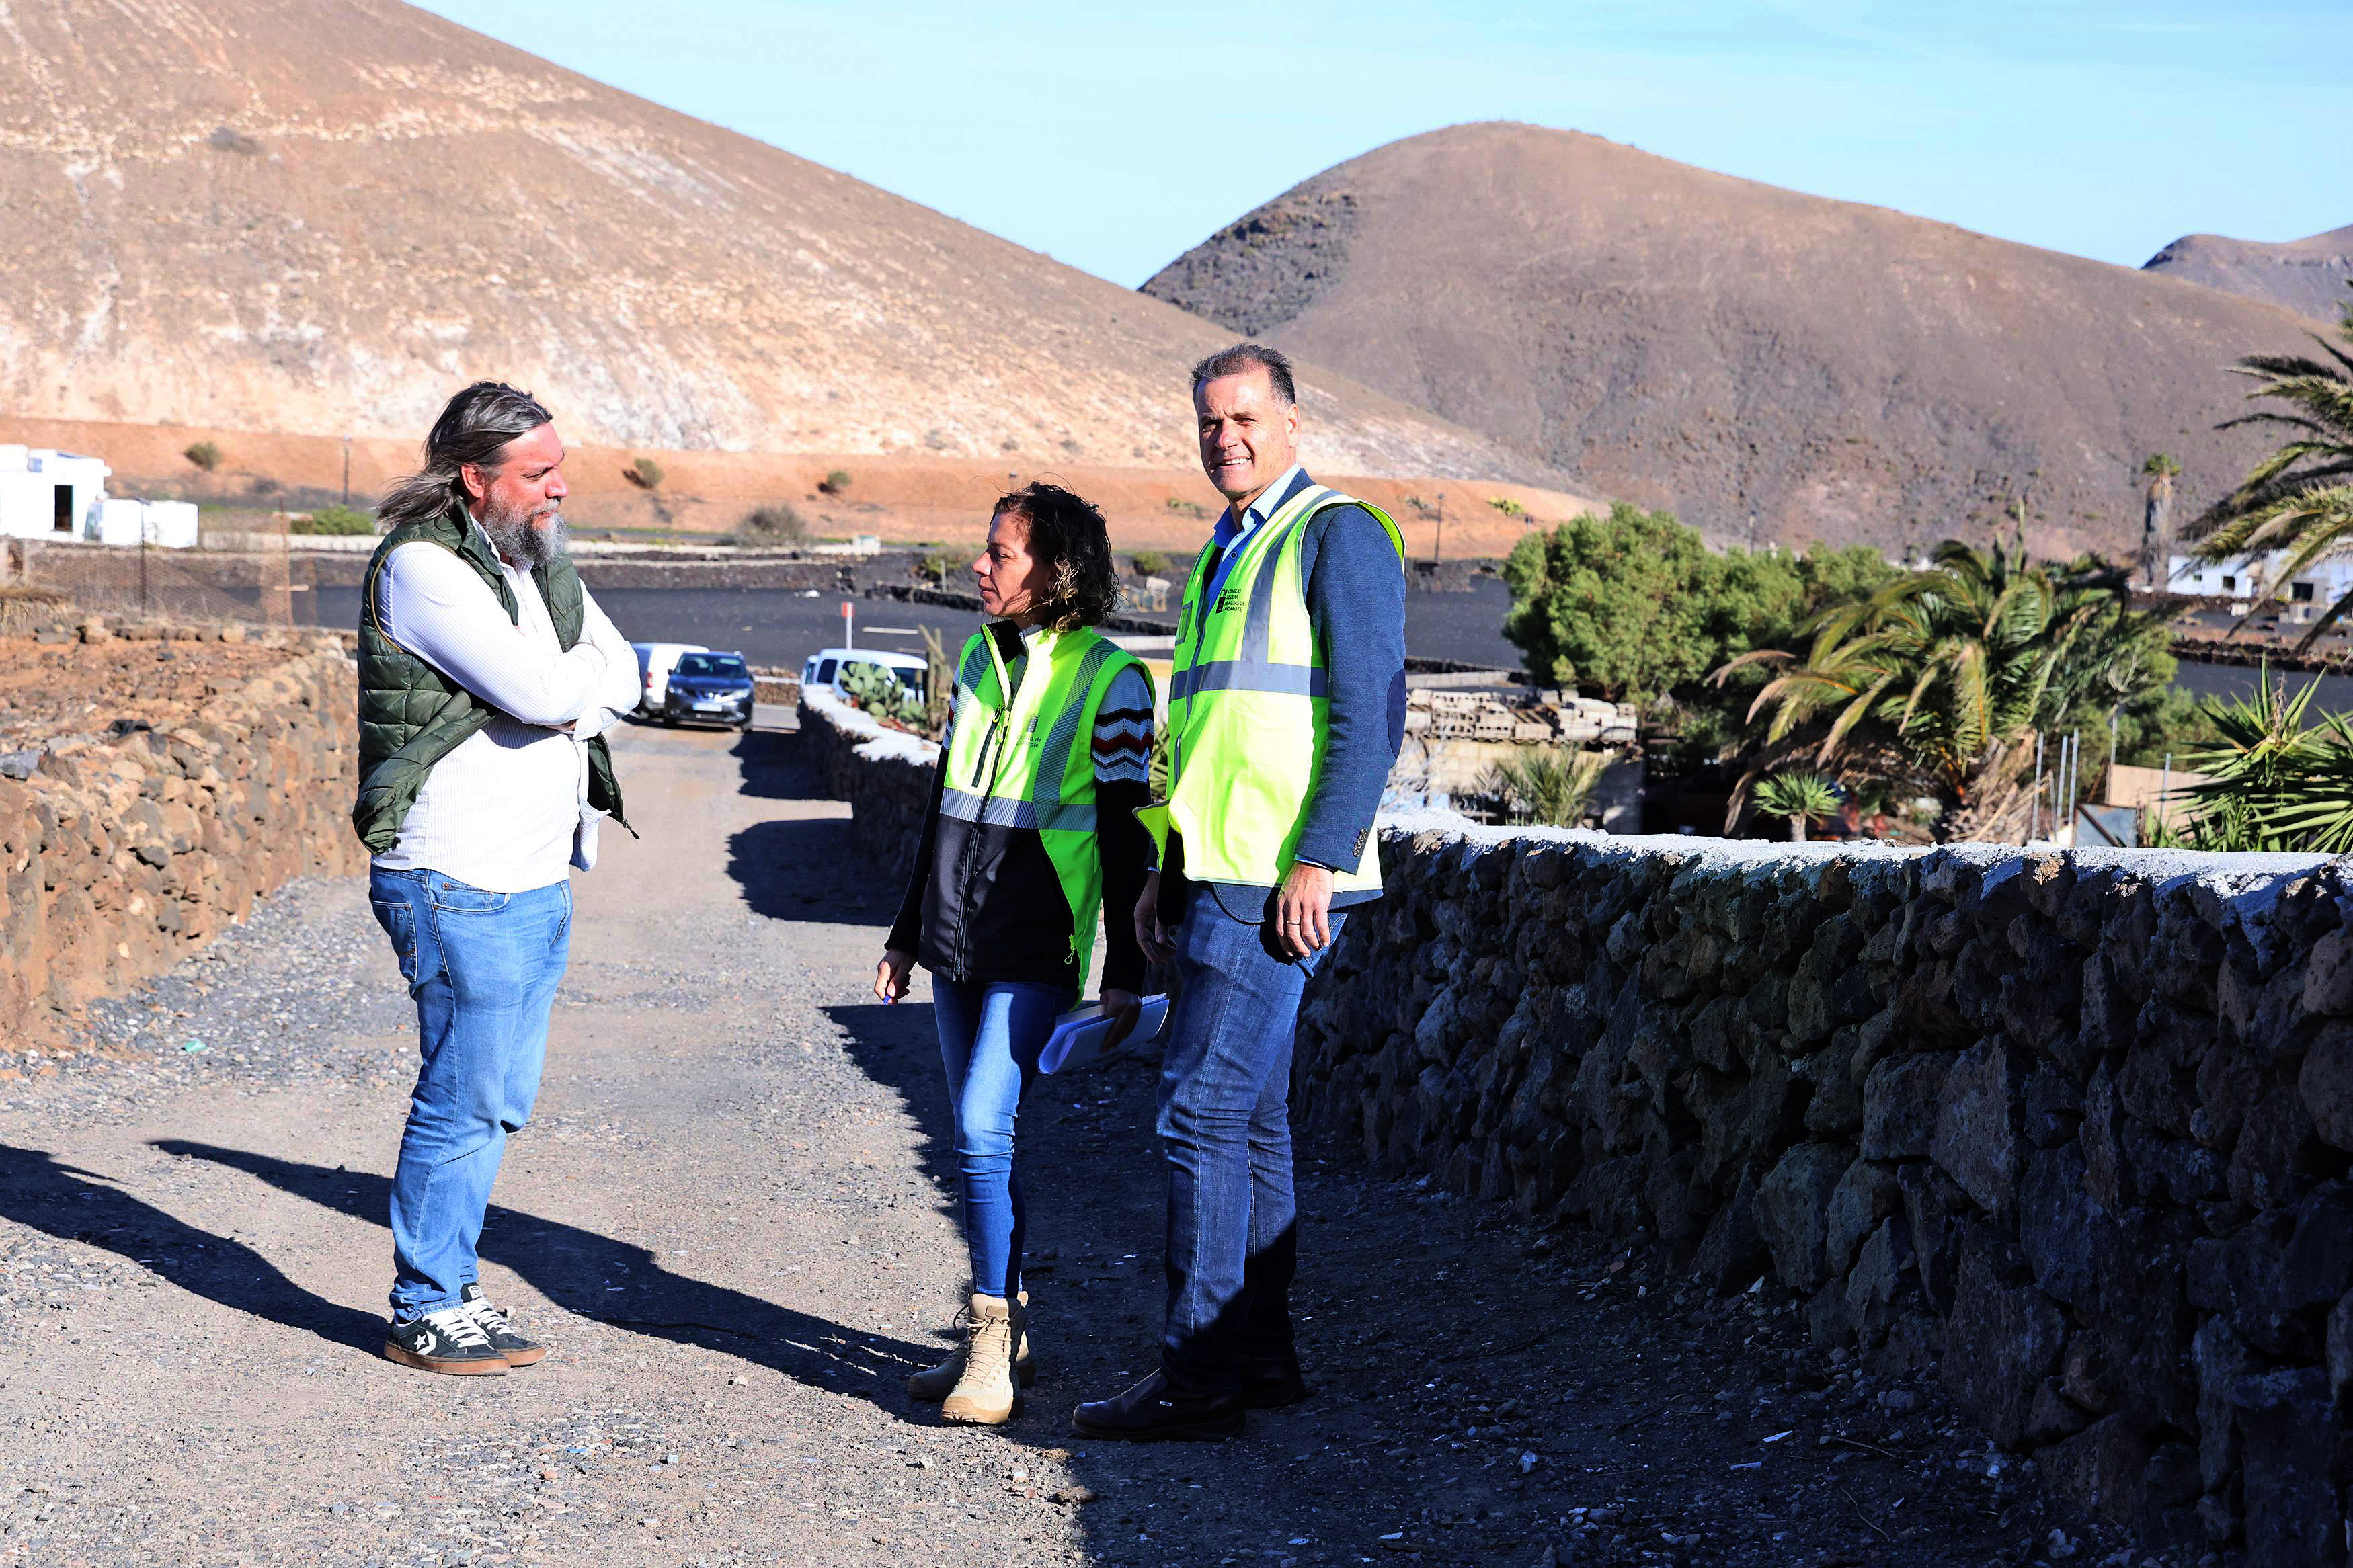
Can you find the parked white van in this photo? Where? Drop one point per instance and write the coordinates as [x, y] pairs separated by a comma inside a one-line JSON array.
[[827, 667], [655, 661]]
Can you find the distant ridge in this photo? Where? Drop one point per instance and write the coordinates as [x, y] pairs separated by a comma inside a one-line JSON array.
[[320, 216], [1770, 364], [2307, 276]]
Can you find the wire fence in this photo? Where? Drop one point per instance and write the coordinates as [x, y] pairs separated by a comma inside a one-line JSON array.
[[245, 576]]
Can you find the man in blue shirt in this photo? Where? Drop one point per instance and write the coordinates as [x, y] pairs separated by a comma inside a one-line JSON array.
[[1244, 950]]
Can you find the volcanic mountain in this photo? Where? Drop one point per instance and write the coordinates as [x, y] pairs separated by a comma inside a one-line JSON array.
[[1772, 365], [321, 216], [2308, 276]]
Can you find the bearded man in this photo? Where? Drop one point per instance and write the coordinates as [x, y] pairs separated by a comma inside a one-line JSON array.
[[487, 675]]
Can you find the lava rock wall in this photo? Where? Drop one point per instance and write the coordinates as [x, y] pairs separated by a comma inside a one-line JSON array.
[[885, 775], [122, 852], [2069, 1131]]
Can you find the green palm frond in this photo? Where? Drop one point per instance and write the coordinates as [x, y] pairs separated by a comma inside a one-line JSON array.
[[2290, 500], [1808, 795]]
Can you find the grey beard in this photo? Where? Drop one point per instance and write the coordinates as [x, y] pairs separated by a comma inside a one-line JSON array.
[[522, 544]]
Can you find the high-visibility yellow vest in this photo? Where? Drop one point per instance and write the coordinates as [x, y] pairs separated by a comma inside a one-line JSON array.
[[1024, 758], [1249, 710]]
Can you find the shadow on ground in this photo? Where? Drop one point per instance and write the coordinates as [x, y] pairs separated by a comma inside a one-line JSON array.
[[73, 1204], [770, 762], [583, 1272], [804, 869]]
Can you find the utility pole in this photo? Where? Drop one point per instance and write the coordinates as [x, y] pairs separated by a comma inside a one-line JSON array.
[[1438, 553], [347, 471]]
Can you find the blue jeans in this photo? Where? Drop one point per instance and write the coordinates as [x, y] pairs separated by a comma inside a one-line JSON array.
[[990, 1034], [1225, 1126], [482, 968]]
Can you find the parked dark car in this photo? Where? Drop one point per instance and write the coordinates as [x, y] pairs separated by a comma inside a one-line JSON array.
[[709, 688]]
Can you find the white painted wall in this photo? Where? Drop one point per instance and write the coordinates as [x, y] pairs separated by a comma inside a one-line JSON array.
[[30, 479], [2325, 582]]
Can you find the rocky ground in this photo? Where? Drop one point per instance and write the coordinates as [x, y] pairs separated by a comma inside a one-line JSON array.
[[732, 1219], [53, 688]]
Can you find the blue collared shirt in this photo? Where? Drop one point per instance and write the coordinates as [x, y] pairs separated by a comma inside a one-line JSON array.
[[1229, 535]]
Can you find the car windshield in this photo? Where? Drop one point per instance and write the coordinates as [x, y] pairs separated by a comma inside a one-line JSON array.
[[712, 666]]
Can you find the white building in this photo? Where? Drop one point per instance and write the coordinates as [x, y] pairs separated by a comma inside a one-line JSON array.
[[47, 494], [2317, 587]]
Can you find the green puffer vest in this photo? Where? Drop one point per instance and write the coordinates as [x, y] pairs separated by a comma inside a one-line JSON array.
[[412, 716]]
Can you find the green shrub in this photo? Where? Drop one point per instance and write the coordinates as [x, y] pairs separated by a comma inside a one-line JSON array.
[[205, 455], [645, 473], [1633, 607], [937, 565], [777, 523], [1806, 799], [1507, 506], [1149, 563], [334, 519], [1189, 508], [1548, 786], [834, 482]]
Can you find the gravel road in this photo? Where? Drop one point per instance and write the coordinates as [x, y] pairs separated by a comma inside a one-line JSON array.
[[732, 1220]]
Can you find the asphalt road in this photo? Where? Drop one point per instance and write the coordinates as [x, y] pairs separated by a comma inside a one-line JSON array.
[[773, 626]]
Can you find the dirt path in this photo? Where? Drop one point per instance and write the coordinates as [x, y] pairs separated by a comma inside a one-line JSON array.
[[730, 1220]]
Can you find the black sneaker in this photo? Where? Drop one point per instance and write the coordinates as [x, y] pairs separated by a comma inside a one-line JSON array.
[[448, 1341], [516, 1349]]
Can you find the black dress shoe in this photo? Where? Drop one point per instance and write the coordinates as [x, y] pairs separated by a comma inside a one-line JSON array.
[[1273, 1386], [1154, 1412]]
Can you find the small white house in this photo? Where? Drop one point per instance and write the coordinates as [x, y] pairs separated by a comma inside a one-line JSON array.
[[2318, 586], [45, 494]]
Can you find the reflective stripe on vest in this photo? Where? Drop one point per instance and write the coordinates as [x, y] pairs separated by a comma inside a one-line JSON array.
[[1000, 773], [1249, 704]]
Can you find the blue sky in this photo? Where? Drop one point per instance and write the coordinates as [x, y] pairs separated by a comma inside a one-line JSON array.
[[1114, 137]]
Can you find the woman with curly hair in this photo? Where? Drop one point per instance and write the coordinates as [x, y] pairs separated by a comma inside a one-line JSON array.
[[1031, 831]]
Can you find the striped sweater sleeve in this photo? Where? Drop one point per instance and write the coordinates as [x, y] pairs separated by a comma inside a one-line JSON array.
[[1122, 738], [1122, 760]]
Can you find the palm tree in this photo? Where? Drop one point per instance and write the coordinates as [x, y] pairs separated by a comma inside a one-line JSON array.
[[2274, 784], [1548, 787], [2157, 520], [2300, 498], [1949, 668], [1804, 799]]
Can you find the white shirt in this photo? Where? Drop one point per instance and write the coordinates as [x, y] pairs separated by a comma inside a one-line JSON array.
[[507, 809]]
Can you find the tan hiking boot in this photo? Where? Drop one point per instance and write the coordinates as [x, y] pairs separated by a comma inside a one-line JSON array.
[[936, 1383], [986, 1395]]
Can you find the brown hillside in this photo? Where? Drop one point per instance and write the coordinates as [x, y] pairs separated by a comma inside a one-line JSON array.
[[2307, 276], [903, 497], [318, 215], [1770, 364]]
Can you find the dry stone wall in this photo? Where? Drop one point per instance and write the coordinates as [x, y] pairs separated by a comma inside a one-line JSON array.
[[2069, 1132], [124, 851], [885, 775], [2072, 1132]]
